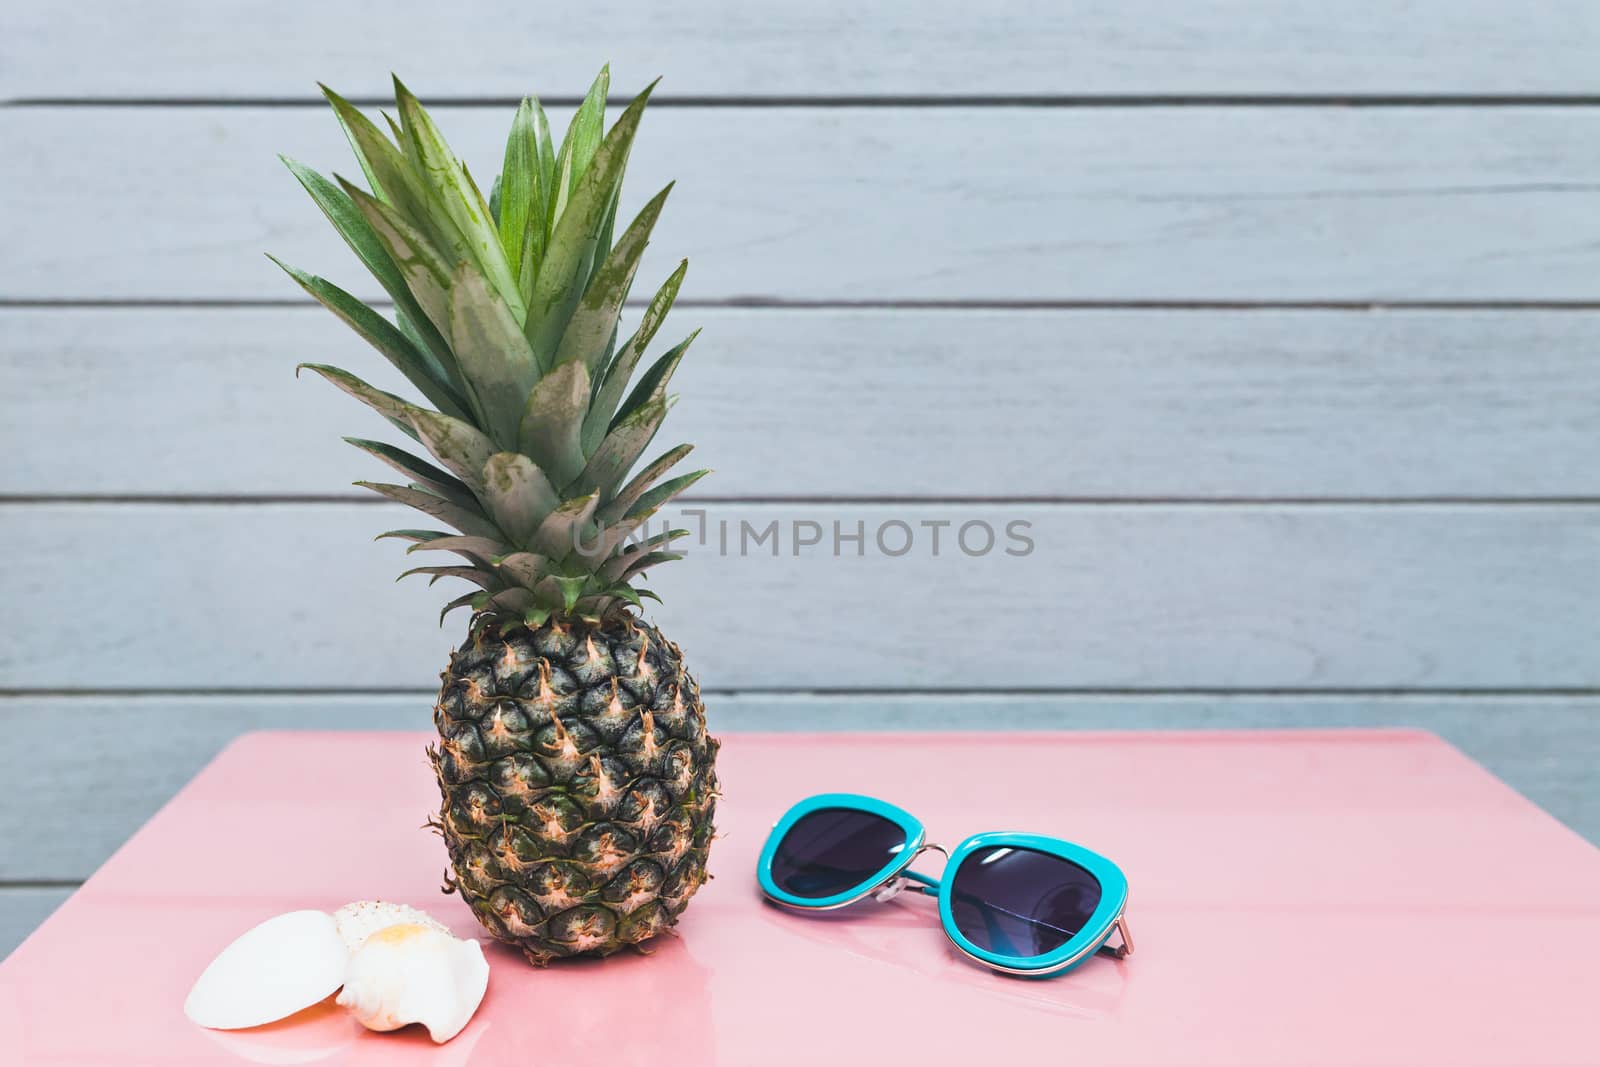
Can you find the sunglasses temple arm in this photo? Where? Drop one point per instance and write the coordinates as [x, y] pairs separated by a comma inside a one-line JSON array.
[[1123, 950], [929, 886]]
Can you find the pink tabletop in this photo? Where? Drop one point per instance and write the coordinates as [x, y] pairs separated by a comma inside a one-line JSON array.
[[1340, 898]]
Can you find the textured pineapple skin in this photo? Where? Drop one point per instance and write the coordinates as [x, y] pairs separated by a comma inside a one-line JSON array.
[[578, 784]]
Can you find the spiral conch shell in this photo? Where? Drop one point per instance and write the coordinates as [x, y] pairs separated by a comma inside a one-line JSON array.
[[415, 973], [360, 919]]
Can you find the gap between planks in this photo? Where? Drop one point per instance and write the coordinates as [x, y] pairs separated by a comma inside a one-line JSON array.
[[47, 884]]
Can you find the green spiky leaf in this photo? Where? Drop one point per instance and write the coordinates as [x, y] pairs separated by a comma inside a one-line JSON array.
[[521, 192], [660, 540], [552, 423], [610, 537], [419, 261], [478, 550], [618, 506], [547, 160], [421, 537], [450, 188], [619, 568], [594, 322], [464, 519], [661, 494], [384, 165], [533, 240], [468, 600], [568, 526], [459, 445], [621, 448], [395, 409], [518, 495], [482, 579], [625, 592], [381, 334], [347, 218], [589, 122], [494, 356], [631, 559], [574, 235], [609, 395], [571, 589], [514, 601], [430, 477], [608, 225], [372, 150], [527, 569], [582, 139], [653, 383]]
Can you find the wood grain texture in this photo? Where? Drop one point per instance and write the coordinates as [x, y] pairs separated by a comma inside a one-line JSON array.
[[141, 750], [22, 910], [957, 204], [1157, 597], [1099, 404], [828, 48]]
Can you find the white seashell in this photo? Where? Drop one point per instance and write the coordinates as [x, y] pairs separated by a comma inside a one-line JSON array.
[[273, 970], [360, 919], [414, 973]]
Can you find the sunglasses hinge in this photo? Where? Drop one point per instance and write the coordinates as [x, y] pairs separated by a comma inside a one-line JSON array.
[[1126, 948]]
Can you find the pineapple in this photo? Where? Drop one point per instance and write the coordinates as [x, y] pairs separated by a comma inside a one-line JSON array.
[[577, 780]]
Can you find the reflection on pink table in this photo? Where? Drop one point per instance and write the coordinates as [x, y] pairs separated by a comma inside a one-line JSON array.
[[1362, 897]]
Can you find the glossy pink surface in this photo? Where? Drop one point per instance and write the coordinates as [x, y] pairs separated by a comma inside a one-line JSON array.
[[1332, 898]]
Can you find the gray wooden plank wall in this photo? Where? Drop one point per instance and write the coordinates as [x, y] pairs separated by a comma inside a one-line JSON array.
[[1277, 321]]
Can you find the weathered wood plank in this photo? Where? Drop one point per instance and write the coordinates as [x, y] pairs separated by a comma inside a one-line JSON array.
[[138, 751], [294, 595], [1102, 404], [1022, 204], [828, 48], [22, 910]]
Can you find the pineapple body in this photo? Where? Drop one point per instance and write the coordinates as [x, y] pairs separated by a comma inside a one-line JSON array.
[[577, 782]]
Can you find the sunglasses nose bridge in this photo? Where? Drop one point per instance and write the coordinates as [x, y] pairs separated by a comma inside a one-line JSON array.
[[928, 846], [907, 878]]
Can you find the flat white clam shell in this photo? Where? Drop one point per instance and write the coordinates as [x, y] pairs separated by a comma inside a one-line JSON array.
[[414, 973], [360, 919], [271, 971]]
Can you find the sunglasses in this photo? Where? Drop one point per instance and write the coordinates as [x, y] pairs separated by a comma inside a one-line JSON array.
[[1018, 903]]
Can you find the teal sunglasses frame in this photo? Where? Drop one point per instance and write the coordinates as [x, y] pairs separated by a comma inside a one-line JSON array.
[[897, 875]]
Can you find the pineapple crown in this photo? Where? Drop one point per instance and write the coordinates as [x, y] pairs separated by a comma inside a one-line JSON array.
[[506, 321]]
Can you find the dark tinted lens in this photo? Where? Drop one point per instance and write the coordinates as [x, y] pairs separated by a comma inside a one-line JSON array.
[[834, 850], [1018, 902]]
